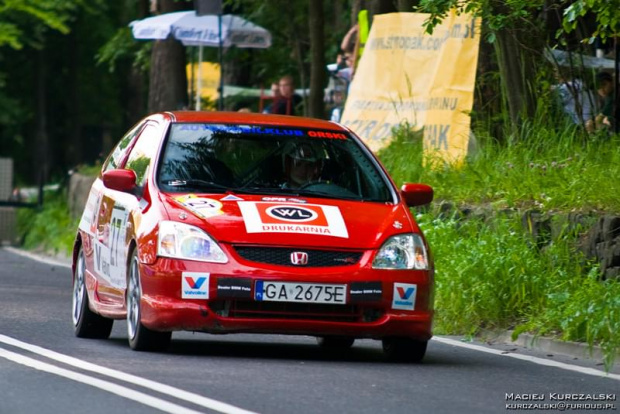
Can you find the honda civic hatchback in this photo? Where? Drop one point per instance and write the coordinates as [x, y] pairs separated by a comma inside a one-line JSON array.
[[249, 223]]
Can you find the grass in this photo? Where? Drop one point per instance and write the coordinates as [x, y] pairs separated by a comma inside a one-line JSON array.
[[50, 229], [490, 274], [552, 169]]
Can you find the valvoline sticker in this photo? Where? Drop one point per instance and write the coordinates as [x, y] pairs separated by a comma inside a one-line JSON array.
[[404, 296]]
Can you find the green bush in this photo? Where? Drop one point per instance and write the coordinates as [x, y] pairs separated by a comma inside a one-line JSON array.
[[50, 229], [489, 273], [549, 168]]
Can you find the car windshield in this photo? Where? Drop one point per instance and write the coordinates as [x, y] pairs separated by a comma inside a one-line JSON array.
[[269, 160]]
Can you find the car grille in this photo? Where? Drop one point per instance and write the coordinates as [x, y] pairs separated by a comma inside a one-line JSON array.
[[282, 256], [294, 311]]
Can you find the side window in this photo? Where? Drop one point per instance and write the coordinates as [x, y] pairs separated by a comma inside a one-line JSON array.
[[143, 153], [118, 154]]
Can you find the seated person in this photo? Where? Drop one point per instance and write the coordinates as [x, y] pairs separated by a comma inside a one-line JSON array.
[[302, 164], [287, 102], [275, 96]]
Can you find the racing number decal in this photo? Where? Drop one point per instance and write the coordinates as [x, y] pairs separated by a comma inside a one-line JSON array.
[[110, 242], [118, 227]]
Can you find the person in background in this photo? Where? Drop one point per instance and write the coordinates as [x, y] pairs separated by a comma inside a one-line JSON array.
[[275, 96], [289, 100], [577, 100], [338, 99], [605, 100], [348, 53]]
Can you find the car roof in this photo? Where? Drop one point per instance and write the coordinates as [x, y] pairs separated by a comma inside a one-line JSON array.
[[252, 119]]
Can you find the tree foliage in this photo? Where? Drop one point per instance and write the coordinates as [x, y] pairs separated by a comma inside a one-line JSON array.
[[72, 75], [605, 12], [498, 15], [55, 102], [23, 21]]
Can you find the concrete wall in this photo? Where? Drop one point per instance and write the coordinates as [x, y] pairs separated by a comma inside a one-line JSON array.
[[8, 215], [79, 188], [596, 235]]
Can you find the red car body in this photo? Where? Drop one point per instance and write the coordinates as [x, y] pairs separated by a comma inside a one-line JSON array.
[[262, 245]]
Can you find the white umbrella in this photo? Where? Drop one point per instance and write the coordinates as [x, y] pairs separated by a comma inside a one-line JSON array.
[[194, 30], [563, 58]]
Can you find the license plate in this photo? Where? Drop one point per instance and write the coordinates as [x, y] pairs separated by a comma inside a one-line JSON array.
[[300, 292]]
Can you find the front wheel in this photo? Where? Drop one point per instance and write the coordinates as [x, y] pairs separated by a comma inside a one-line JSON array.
[[86, 323], [404, 349], [140, 337]]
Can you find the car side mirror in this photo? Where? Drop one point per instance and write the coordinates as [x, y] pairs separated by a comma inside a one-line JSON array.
[[416, 194], [120, 180]]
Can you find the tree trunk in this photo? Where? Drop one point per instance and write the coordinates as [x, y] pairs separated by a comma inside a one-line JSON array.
[[297, 49], [516, 72], [316, 106], [74, 150], [168, 79], [336, 21], [356, 7], [136, 81], [42, 155], [379, 7], [406, 6]]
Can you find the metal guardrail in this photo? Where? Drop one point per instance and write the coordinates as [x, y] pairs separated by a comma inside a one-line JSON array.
[[19, 204], [11, 199]]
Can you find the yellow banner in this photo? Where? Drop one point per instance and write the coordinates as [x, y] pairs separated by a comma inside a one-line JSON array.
[[210, 79], [408, 75]]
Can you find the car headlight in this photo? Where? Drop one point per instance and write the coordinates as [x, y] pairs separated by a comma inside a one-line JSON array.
[[182, 241], [404, 251]]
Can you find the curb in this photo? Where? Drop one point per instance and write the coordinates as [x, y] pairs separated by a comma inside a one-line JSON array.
[[60, 260], [555, 346]]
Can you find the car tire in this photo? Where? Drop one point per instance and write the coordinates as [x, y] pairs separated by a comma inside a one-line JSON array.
[[404, 349], [140, 337], [86, 323], [335, 342]]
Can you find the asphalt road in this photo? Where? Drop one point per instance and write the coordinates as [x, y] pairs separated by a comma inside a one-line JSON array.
[[44, 368]]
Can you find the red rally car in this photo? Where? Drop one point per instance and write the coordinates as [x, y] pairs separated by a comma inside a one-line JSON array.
[[233, 222]]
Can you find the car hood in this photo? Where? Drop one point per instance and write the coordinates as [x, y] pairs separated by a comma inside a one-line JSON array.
[[290, 221]]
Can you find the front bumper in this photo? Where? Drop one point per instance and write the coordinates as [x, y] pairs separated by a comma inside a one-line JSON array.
[[399, 303]]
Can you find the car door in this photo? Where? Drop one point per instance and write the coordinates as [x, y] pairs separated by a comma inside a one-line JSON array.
[[117, 211]]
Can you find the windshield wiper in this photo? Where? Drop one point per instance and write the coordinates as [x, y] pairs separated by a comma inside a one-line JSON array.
[[197, 183], [297, 192], [325, 194], [261, 190]]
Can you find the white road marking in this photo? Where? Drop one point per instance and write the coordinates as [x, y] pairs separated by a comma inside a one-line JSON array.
[[540, 361], [140, 397], [41, 259], [536, 360], [132, 379]]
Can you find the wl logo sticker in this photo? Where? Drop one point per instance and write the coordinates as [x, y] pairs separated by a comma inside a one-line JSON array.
[[293, 214], [265, 217], [195, 285]]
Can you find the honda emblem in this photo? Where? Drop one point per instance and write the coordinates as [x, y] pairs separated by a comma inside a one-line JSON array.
[[299, 258]]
